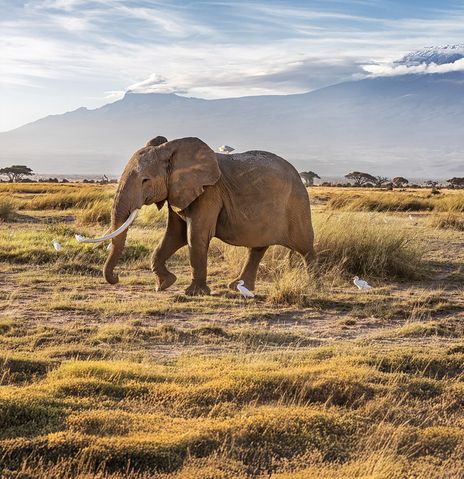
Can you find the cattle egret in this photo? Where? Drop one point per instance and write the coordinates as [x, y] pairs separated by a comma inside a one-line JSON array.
[[56, 245], [411, 218], [226, 149], [360, 283], [246, 293]]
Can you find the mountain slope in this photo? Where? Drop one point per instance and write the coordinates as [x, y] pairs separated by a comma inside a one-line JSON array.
[[409, 125]]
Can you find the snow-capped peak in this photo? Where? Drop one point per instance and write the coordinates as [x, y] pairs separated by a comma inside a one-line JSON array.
[[440, 55]]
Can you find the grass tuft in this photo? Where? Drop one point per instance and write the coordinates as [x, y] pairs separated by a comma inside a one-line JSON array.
[[96, 213], [7, 208], [451, 221], [357, 246]]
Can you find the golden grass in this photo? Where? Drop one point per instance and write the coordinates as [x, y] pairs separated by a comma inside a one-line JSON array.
[[21, 189], [453, 221], [62, 200], [123, 382], [358, 245], [7, 208], [307, 413], [400, 201], [96, 213]]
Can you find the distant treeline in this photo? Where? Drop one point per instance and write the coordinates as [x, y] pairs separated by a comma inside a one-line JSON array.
[[359, 179]]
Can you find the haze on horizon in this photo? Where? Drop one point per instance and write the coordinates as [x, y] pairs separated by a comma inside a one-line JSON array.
[[58, 55]]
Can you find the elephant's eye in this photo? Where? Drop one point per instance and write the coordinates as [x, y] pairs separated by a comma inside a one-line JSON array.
[[144, 181]]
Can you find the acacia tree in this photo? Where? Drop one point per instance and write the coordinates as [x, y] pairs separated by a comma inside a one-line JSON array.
[[456, 182], [399, 182], [381, 180], [16, 172], [307, 177], [361, 178]]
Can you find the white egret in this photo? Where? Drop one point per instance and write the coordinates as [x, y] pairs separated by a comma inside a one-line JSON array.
[[226, 149], [245, 292], [56, 245], [360, 283]]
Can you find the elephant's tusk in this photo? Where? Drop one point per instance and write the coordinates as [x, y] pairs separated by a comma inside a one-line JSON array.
[[109, 236]]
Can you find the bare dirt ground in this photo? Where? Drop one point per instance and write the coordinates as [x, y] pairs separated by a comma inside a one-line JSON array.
[[36, 295]]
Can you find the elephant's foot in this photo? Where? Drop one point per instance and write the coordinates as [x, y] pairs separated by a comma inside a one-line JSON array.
[[165, 281], [250, 285], [196, 289]]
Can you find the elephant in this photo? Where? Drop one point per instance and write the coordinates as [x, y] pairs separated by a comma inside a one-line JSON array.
[[253, 199]]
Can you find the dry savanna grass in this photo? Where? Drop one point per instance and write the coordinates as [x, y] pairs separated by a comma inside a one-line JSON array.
[[311, 379], [356, 199], [7, 208], [451, 221]]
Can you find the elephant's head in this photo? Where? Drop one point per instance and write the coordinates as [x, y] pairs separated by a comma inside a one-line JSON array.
[[173, 171]]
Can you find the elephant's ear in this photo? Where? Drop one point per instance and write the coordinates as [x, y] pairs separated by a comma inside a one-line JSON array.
[[192, 164]]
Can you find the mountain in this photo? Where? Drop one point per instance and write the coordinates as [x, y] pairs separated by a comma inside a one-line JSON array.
[[404, 125]]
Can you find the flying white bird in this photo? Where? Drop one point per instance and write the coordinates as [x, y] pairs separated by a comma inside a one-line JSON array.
[[246, 293], [226, 149], [360, 283], [56, 245]]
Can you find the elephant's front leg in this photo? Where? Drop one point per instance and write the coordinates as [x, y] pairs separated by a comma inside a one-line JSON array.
[[174, 238], [199, 236]]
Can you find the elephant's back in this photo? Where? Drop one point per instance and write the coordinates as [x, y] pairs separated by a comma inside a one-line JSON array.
[[261, 195], [249, 160], [256, 164]]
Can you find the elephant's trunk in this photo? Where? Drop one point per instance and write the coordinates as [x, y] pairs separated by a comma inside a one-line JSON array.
[[113, 258], [119, 215]]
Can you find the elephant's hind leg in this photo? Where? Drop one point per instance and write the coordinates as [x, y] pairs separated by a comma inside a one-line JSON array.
[[249, 271], [309, 258], [174, 238]]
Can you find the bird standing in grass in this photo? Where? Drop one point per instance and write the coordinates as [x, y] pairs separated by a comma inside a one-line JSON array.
[[56, 245], [360, 283], [245, 292]]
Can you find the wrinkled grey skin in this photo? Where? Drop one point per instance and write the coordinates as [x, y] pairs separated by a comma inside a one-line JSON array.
[[253, 199]]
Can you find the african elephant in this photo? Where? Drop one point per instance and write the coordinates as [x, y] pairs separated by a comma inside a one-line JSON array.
[[253, 199]]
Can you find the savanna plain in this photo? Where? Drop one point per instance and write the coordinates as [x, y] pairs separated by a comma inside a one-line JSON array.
[[312, 378]]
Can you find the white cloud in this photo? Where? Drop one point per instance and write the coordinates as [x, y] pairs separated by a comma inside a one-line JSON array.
[[392, 69]]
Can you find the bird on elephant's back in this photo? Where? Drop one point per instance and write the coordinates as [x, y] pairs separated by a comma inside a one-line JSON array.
[[254, 199]]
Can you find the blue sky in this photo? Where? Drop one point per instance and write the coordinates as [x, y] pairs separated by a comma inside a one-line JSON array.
[[58, 55]]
